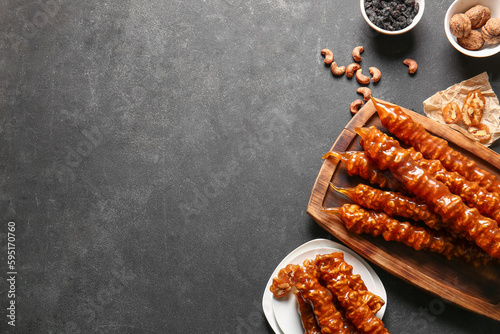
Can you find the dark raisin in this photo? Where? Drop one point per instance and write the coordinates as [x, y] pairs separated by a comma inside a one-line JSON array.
[[391, 15]]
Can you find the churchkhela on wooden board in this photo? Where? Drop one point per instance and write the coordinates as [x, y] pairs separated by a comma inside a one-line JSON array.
[[459, 218], [392, 203], [359, 163], [359, 220], [458, 202], [414, 134], [488, 203]]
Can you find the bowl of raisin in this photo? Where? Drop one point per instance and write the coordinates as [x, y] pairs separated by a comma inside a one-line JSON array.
[[392, 17]]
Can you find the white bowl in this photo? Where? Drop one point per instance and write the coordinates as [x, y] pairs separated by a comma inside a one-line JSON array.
[[461, 6], [421, 4]]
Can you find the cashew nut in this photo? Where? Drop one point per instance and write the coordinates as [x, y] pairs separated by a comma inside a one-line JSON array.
[[351, 68], [412, 65], [376, 74], [355, 105], [362, 79], [336, 70], [356, 53], [367, 93], [328, 56]]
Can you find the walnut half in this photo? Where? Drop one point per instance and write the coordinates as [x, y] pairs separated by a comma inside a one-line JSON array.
[[472, 110], [452, 113], [481, 132]]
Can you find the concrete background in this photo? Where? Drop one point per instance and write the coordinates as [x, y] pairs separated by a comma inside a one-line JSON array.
[[157, 157]]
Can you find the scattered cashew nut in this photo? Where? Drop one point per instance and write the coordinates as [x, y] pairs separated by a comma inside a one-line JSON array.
[[367, 93], [328, 56], [376, 74], [412, 65], [362, 79], [356, 53], [355, 105], [351, 68], [337, 70]]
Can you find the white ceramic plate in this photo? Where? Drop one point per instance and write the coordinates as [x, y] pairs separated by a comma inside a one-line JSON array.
[[282, 313]]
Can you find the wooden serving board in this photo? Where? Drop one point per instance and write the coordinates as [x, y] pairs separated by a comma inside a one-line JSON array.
[[476, 289]]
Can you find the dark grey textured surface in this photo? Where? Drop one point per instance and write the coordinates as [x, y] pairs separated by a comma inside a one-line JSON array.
[[158, 156]]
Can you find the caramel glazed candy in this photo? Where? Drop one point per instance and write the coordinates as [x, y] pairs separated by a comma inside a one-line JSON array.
[[488, 203], [306, 281], [328, 317], [414, 134], [359, 163], [313, 297], [392, 203], [458, 217], [307, 316], [332, 268], [359, 220]]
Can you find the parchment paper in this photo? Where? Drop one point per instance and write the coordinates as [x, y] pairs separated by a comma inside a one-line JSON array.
[[434, 105]]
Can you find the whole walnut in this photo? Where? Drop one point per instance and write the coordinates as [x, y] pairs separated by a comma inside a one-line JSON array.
[[491, 31], [474, 41], [460, 25], [478, 16]]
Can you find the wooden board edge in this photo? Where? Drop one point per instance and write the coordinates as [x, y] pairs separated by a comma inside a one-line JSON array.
[[367, 111], [328, 166]]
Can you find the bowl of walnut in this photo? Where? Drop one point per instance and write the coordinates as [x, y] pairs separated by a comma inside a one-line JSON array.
[[473, 27]]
